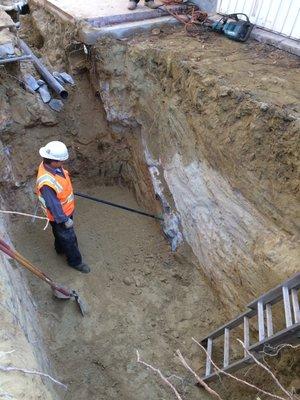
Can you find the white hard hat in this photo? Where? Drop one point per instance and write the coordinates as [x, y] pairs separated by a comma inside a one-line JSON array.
[[55, 151]]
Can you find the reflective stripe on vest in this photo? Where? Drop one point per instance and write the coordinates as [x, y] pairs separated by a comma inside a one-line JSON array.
[[69, 199], [47, 178]]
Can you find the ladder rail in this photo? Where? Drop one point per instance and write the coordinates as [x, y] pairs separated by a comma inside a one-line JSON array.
[[230, 325], [262, 307], [270, 329], [274, 295], [287, 335], [296, 308], [287, 306], [226, 347], [261, 320], [246, 335], [209, 357]]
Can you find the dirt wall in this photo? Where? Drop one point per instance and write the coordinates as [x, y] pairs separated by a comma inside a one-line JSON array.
[[20, 336], [226, 146]]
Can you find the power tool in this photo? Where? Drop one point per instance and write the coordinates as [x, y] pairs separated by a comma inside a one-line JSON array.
[[234, 27]]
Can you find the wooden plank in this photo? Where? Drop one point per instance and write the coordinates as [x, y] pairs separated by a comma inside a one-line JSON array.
[[274, 295], [270, 330], [231, 324], [226, 347], [287, 306], [246, 334], [261, 321], [295, 301], [208, 362]]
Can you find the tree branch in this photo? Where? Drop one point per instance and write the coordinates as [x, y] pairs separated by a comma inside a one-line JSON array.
[[274, 351], [156, 370], [290, 396], [32, 372], [202, 383]]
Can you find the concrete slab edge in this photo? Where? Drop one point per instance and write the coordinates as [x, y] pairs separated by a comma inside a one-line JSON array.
[[281, 42], [133, 16], [89, 36]]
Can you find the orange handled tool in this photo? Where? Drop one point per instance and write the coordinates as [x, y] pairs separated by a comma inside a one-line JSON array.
[[58, 290]]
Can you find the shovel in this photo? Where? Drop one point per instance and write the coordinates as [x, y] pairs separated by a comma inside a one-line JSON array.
[[59, 291]]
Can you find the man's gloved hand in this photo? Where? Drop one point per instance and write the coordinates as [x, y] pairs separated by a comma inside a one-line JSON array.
[[69, 223]]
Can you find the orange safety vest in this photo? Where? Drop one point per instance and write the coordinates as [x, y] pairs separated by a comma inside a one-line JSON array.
[[62, 186]]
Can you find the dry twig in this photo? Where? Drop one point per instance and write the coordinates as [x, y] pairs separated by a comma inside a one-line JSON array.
[[202, 383], [274, 351], [238, 379], [32, 372], [26, 215], [165, 380], [290, 396]]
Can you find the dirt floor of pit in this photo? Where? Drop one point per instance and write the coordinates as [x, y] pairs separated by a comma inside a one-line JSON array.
[[139, 297]]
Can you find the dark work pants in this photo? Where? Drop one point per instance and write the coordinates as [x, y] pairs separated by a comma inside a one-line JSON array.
[[66, 243]]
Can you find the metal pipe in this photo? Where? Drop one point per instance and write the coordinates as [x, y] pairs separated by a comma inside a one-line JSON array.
[[26, 57], [52, 82], [118, 206]]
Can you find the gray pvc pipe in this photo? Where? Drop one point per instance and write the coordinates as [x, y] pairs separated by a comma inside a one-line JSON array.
[[52, 82], [13, 59]]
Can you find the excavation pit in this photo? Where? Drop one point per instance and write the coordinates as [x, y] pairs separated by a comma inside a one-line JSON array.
[[207, 129], [139, 297]]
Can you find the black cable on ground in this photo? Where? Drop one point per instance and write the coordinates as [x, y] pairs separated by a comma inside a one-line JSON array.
[[118, 206]]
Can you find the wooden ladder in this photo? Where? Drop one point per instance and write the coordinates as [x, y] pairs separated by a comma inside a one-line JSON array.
[[288, 293]]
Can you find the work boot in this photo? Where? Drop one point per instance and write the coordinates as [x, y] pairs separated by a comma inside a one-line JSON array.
[[132, 5], [151, 4], [82, 268]]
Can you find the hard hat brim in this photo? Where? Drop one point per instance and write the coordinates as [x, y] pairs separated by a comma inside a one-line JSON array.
[[43, 153]]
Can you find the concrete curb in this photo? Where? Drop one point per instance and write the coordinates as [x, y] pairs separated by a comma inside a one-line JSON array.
[[90, 35], [276, 40]]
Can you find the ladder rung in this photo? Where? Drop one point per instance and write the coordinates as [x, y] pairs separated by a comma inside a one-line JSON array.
[[246, 335], [287, 306], [226, 347], [295, 301], [270, 330], [261, 321], [208, 361]]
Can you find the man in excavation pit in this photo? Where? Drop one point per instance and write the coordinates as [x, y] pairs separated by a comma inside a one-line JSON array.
[[133, 4], [55, 193]]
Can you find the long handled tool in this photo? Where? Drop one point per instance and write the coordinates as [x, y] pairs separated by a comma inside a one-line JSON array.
[[118, 206], [58, 290]]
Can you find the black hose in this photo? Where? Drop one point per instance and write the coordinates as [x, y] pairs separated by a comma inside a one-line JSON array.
[[117, 206]]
